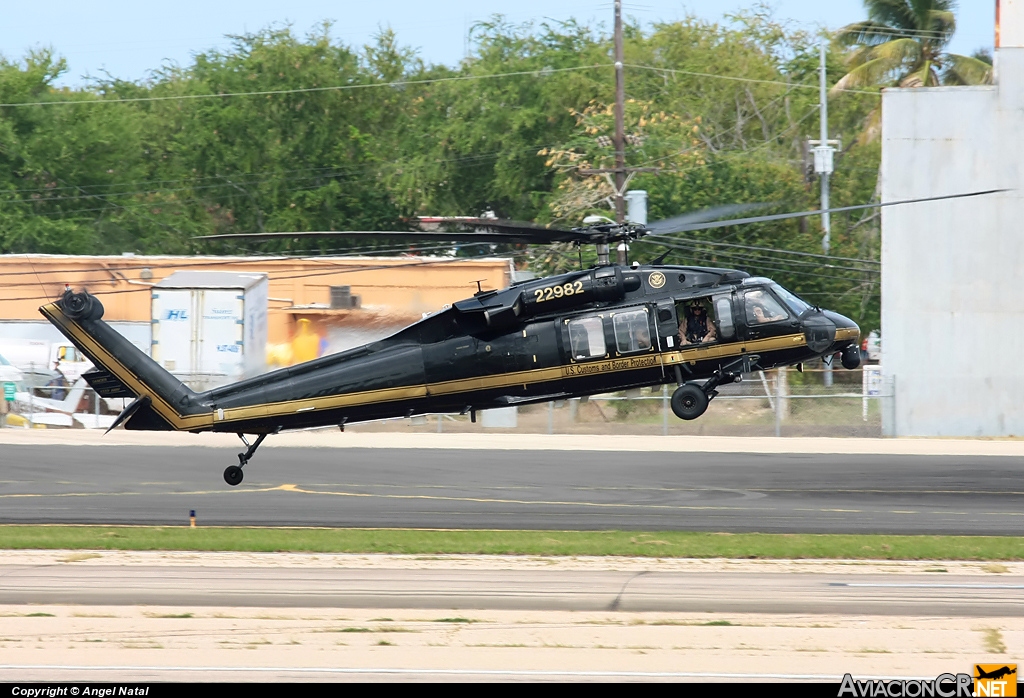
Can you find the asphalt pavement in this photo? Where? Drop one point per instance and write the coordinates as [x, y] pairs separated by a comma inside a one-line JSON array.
[[449, 587], [516, 489]]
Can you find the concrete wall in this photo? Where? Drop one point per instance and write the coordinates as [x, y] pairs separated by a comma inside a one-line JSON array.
[[952, 282]]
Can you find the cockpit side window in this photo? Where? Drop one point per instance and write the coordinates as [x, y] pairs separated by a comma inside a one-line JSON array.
[[586, 338], [762, 308]]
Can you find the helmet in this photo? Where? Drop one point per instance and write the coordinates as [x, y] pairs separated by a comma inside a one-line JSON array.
[[693, 305]]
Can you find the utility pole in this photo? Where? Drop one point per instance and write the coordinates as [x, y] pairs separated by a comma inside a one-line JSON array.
[[823, 166], [823, 152], [620, 117], [622, 174]]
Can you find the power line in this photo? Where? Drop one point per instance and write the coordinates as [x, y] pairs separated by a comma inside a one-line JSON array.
[[322, 172], [769, 264], [243, 259], [543, 72], [763, 144], [765, 249], [347, 270], [774, 259], [735, 78], [339, 173]]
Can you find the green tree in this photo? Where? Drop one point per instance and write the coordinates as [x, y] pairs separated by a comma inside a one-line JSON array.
[[71, 173]]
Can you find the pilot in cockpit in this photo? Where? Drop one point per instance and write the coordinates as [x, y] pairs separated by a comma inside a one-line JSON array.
[[761, 308]]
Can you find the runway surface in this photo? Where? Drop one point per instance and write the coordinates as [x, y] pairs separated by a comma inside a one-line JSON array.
[[442, 586], [516, 489]]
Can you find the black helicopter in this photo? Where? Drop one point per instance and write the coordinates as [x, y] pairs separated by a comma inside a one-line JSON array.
[[611, 327]]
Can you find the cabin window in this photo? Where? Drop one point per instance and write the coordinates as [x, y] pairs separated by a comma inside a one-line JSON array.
[[723, 310], [762, 308], [632, 331], [586, 338]]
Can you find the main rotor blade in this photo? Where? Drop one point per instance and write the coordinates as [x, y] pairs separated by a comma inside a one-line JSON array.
[[840, 209], [463, 236], [485, 230], [676, 223]]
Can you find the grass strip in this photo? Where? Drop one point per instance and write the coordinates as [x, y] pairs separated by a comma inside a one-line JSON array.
[[490, 542]]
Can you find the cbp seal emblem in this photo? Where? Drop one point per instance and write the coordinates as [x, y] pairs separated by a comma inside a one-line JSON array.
[[656, 279]]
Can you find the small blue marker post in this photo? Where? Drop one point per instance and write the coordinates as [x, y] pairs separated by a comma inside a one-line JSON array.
[[192, 518]]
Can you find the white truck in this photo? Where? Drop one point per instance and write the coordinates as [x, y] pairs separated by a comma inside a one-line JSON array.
[[210, 327], [36, 358]]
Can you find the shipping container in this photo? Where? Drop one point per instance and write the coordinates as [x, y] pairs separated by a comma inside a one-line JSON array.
[[210, 327]]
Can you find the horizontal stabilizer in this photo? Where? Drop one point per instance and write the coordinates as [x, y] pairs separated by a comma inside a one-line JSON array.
[[106, 383], [128, 411]]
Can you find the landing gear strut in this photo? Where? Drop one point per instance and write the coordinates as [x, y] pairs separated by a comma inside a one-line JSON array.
[[690, 400], [233, 473]]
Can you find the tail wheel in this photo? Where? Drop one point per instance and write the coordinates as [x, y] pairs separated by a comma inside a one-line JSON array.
[[689, 401]]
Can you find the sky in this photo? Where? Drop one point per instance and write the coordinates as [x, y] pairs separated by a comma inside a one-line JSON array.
[[128, 38]]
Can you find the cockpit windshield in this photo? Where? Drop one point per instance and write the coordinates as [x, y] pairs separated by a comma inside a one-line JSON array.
[[796, 304]]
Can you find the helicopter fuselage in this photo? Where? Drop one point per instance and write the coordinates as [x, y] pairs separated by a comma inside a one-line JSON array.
[[582, 333]]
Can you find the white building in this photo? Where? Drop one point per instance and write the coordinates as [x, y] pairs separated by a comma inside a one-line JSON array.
[[953, 271]]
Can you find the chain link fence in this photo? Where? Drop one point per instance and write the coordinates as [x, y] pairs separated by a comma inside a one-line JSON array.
[[56, 407], [771, 403]]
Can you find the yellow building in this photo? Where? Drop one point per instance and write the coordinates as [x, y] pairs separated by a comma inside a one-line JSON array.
[[386, 293]]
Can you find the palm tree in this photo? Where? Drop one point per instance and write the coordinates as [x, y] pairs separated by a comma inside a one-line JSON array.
[[901, 44]]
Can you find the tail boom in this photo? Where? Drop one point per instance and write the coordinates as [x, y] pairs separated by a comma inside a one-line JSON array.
[[171, 404]]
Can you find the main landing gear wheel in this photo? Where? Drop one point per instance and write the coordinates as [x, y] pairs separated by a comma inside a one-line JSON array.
[[689, 401], [233, 475]]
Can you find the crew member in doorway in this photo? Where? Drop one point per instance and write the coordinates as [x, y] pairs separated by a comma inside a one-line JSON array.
[[695, 327], [58, 384]]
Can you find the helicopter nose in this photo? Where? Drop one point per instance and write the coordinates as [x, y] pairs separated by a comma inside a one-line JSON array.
[[819, 331], [847, 340], [847, 330]]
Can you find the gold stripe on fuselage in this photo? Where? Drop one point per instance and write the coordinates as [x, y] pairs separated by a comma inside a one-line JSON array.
[[845, 333], [463, 385], [721, 351]]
